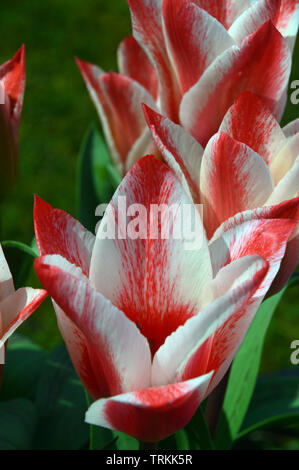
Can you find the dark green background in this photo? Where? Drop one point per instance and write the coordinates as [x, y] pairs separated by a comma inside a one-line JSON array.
[[57, 111]]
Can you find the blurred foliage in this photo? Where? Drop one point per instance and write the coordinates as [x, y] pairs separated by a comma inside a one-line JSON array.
[[57, 112]]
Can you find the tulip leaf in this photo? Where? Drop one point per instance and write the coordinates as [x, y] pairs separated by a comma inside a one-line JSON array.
[[97, 177], [243, 374], [19, 246], [18, 422], [275, 403], [23, 366], [61, 405]]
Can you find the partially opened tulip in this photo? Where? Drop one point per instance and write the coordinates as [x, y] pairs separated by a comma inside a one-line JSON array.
[[250, 164], [15, 306], [12, 83], [150, 324], [190, 60]]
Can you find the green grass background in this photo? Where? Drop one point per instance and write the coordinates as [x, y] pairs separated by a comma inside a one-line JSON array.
[[57, 111]]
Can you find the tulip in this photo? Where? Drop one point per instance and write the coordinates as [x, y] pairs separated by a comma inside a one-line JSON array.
[[249, 164], [191, 59], [12, 83], [15, 306], [151, 326]]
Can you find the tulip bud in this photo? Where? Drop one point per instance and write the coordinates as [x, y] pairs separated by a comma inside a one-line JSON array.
[[12, 85]]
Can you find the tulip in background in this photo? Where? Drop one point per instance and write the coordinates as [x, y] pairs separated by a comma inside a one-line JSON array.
[[190, 60], [150, 326], [15, 306], [12, 80], [248, 170]]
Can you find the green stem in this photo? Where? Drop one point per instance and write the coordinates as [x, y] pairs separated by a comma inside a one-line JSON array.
[[148, 445], [214, 405]]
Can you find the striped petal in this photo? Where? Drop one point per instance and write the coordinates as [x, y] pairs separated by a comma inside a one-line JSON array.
[[148, 31], [173, 265], [179, 149], [187, 352], [288, 186], [249, 113], [118, 100], [58, 233], [225, 11], [150, 414], [134, 63], [288, 21], [120, 355], [194, 39], [254, 17], [16, 308], [262, 65], [267, 238], [233, 178]]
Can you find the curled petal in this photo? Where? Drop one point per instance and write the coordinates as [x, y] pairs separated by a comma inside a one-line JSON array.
[[150, 414]]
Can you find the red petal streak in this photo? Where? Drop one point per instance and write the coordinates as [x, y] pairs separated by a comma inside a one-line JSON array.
[[133, 62], [250, 121]]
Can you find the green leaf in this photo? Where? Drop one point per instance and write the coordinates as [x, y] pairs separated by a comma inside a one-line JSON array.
[[182, 440], [243, 375], [198, 432], [97, 178], [24, 363], [275, 403], [18, 421], [61, 405], [19, 246]]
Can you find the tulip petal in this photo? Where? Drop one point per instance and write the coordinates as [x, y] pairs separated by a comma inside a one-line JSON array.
[[288, 20], [194, 39], [292, 128], [148, 31], [134, 63], [225, 11], [180, 150], [173, 267], [267, 238], [233, 178], [13, 76], [119, 352], [254, 17], [262, 65], [6, 280], [186, 353], [288, 186], [117, 99], [249, 113], [58, 233], [150, 414], [17, 307], [286, 210], [284, 160]]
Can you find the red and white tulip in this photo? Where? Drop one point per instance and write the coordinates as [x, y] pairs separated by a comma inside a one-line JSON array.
[[249, 164], [190, 60], [12, 86], [15, 305], [150, 326]]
